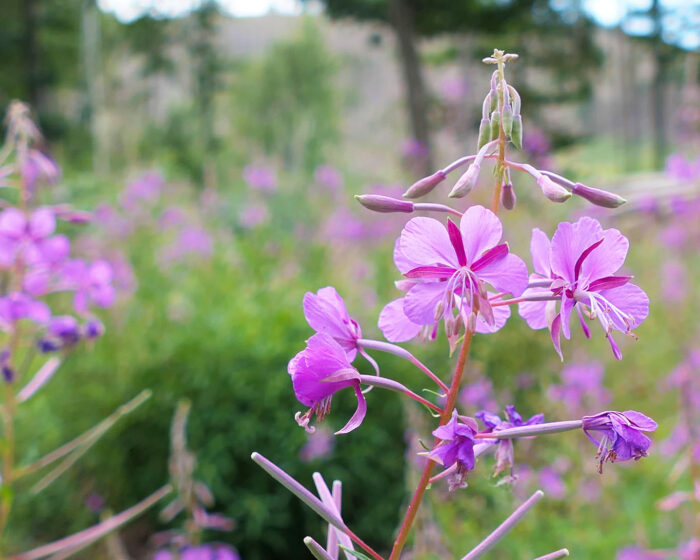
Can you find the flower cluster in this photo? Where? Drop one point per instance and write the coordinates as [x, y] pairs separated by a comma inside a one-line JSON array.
[[460, 273]]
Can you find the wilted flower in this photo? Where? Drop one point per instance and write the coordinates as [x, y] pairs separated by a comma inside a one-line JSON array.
[[580, 262], [318, 372], [493, 423], [457, 446], [618, 435]]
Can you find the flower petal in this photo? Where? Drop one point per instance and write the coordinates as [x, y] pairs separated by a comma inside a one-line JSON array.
[[394, 324], [420, 302], [425, 242], [539, 248], [569, 242], [508, 274], [481, 230], [359, 415]]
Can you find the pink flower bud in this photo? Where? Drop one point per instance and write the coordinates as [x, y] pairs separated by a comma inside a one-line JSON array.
[[384, 204], [554, 192], [598, 197], [425, 185], [466, 182], [508, 197]]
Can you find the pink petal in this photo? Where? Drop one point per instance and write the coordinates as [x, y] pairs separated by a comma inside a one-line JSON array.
[[508, 274], [457, 243], [501, 314], [481, 230], [569, 242], [425, 242], [534, 312], [567, 305], [539, 248], [420, 302], [431, 272], [325, 312], [555, 333], [630, 299], [607, 259], [394, 324], [42, 223], [12, 223], [359, 415]]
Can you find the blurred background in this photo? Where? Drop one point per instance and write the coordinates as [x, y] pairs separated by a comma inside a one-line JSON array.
[[220, 144]]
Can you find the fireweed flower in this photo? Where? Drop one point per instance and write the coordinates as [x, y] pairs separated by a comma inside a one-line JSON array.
[[325, 311], [456, 447], [92, 283], [451, 267], [504, 452], [318, 372], [39, 167], [17, 306], [618, 435], [578, 266]]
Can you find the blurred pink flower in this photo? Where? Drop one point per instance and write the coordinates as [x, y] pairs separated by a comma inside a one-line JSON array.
[[260, 177], [253, 215], [329, 177]]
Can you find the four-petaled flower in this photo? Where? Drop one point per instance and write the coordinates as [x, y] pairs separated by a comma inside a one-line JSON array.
[[451, 267], [325, 312], [457, 446], [504, 451], [319, 371], [580, 265], [618, 435]]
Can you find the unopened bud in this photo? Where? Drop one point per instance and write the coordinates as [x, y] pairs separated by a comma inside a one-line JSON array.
[[384, 204], [484, 133], [507, 118], [508, 197], [495, 125], [425, 185], [458, 324], [516, 135], [598, 197], [553, 191], [439, 310], [466, 182], [471, 322]]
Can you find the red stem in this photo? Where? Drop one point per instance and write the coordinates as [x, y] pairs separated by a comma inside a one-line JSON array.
[[413, 506]]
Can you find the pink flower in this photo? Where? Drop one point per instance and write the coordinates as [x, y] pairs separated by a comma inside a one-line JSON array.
[[329, 177], [260, 177], [39, 167], [92, 283], [318, 372], [451, 267], [325, 312], [253, 215], [579, 264]]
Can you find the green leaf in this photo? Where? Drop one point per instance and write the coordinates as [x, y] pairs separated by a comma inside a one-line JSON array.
[[355, 553]]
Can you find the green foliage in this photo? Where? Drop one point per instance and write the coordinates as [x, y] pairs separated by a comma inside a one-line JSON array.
[[285, 103]]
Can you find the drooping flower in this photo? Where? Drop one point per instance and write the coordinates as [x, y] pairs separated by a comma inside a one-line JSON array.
[[318, 372], [618, 435], [579, 267], [504, 451], [457, 446], [325, 311], [452, 266]]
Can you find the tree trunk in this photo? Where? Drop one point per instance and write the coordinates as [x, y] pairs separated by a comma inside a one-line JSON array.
[[657, 87], [401, 18]]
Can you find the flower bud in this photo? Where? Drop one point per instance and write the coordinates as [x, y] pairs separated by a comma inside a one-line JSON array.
[[466, 182], [553, 191], [471, 322], [495, 125], [439, 310], [507, 118], [384, 204], [508, 197], [484, 133], [598, 197], [425, 185], [516, 135]]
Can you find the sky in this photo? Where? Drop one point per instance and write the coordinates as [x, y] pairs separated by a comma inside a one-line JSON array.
[[683, 20]]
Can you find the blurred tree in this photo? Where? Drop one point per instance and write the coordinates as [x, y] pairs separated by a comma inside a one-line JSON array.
[[40, 42], [286, 102], [558, 38]]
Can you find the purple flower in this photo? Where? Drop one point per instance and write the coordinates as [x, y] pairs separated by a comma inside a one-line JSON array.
[[17, 306], [457, 446], [674, 281], [578, 382], [478, 394], [328, 176], [253, 215], [580, 262], [65, 328], [260, 177], [29, 236], [146, 188], [451, 267], [39, 167], [504, 451], [550, 481], [319, 371], [213, 551], [618, 435], [635, 553], [92, 283], [325, 312], [319, 445]]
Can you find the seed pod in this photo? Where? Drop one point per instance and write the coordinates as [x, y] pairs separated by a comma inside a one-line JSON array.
[[507, 120], [484, 133], [495, 125], [516, 134]]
